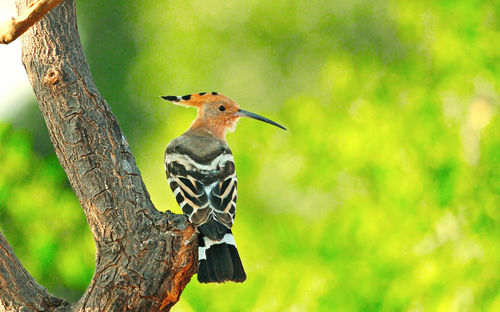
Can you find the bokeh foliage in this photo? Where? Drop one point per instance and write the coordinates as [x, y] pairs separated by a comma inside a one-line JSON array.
[[384, 194], [41, 217]]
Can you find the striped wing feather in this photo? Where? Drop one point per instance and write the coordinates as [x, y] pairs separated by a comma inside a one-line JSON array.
[[223, 200], [210, 207]]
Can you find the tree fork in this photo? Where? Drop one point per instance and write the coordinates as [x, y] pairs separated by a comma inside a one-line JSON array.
[[144, 257]]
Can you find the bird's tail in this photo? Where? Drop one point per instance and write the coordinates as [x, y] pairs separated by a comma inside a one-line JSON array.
[[219, 261]]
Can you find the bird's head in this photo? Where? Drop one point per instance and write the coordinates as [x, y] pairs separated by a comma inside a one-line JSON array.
[[216, 113]]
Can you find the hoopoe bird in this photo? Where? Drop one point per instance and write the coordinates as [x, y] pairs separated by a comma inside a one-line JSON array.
[[201, 173]]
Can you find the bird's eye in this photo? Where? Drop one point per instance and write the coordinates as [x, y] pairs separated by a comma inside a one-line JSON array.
[[222, 108]]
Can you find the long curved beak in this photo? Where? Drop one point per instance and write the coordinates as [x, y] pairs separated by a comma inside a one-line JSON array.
[[244, 113]]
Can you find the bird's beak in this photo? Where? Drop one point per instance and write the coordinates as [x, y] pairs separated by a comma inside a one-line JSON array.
[[244, 113]]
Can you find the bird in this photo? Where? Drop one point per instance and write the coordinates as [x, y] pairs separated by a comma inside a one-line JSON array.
[[200, 170]]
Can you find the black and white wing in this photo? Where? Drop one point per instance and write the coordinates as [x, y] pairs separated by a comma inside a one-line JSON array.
[[202, 176], [205, 189]]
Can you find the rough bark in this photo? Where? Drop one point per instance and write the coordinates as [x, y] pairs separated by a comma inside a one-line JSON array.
[[18, 289], [144, 257], [15, 27]]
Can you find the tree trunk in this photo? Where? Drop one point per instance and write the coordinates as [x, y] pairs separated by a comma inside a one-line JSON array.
[[144, 257]]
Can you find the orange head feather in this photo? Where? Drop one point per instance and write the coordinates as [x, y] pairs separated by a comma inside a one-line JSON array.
[[216, 113]]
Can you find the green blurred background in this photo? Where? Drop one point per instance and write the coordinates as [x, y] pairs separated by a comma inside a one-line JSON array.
[[384, 195]]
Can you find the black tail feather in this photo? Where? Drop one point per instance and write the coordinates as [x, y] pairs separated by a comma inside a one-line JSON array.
[[213, 229], [238, 271], [219, 261]]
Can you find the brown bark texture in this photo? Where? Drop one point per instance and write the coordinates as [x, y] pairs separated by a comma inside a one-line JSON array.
[[15, 27], [144, 257]]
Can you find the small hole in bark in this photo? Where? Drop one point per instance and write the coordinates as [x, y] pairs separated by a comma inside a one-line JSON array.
[[52, 76]]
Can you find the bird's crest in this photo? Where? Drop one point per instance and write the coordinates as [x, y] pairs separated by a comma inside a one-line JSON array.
[[216, 113], [193, 100]]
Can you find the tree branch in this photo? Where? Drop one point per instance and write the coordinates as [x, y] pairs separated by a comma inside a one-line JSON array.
[[15, 27], [18, 289], [144, 257]]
